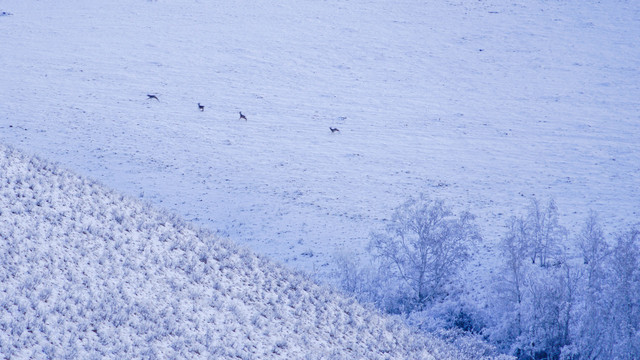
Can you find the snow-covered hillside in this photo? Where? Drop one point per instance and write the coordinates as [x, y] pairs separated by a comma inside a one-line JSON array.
[[88, 273]]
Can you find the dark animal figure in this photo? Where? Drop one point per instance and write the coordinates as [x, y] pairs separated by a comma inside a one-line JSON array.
[[153, 97], [242, 116], [201, 107], [333, 129]]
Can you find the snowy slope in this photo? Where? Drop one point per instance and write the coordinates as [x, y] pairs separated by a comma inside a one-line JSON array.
[[481, 103], [89, 273]]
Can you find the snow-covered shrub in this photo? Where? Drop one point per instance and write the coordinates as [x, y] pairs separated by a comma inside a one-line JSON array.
[[372, 283]]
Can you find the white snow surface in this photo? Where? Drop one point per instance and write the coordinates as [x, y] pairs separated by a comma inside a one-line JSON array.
[[481, 103]]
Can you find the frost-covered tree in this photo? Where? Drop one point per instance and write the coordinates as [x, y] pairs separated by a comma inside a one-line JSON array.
[[544, 232], [625, 268], [535, 303], [591, 335], [424, 246], [551, 308], [551, 304], [511, 284], [594, 250]]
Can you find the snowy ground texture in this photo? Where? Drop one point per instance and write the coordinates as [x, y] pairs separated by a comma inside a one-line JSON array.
[[480, 103], [90, 274]]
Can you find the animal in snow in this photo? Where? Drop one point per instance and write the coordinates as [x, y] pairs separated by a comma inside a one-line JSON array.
[[333, 129], [242, 116], [201, 107], [151, 96]]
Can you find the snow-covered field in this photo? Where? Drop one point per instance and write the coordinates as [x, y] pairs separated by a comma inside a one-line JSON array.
[[480, 103]]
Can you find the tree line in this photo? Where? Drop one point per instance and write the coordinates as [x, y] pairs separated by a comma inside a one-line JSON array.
[[557, 295]]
